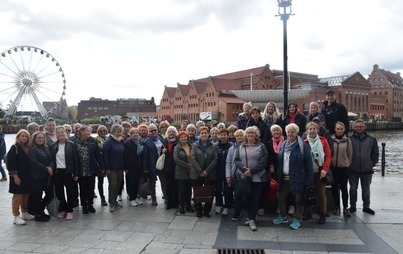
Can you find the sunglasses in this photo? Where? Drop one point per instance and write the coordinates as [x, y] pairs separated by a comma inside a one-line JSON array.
[[153, 130]]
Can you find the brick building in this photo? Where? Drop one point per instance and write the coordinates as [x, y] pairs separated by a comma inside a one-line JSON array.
[[96, 107], [388, 87]]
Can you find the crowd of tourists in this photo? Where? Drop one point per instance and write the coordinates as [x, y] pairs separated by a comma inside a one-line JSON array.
[[265, 157]]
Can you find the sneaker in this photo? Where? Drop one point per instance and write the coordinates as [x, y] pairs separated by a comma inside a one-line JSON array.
[[91, 209], [346, 212], [218, 209], [295, 224], [336, 211], [42, 218], [260, 212], [133, 203], [291, 210], [247, 222], [235, 217], [139, 201], [279, 220], [368, 210], [322, 219], [19, 221], [27, 216], [182, 210], [120, 198], [3, 179], [225, 211], [353, 209], [61, 215], [252, 225], [111, 208], [69, 216], [103, 202], [118, 205]]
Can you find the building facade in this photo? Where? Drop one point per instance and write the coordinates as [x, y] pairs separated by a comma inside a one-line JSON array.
[[97, 107]]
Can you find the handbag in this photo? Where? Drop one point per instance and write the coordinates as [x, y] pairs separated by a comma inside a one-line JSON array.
[[328, 179], [203, 193], [160, 162], [310, 196], [145, 188], [53, 206], [273, 189]]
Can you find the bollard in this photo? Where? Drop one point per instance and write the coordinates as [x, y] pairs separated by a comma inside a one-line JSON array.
[[383, 159]]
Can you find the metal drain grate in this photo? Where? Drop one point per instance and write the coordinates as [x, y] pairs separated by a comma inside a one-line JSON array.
[[241, 251]]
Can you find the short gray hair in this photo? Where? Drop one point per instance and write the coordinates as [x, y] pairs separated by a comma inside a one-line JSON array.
[[292, 126]]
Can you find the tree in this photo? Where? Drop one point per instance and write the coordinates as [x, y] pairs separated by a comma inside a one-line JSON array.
[[72, 113]]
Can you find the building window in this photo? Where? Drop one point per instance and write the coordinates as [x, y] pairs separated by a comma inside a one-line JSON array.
[[89, 108]]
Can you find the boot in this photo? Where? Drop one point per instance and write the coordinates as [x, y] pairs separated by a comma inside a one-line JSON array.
[[322, 218]]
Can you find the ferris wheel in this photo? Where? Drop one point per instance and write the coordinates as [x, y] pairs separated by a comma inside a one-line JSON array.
[[31, 81]]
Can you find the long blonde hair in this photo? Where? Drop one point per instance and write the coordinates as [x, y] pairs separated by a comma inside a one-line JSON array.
[[276, 114], [17, 141]]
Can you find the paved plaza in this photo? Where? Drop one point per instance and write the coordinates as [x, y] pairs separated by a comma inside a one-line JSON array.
[[149, 229]]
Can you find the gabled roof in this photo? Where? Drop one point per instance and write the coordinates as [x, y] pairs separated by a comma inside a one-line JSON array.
[[225, 84], [393, 78], [184, 89], [170, 91], [200, 86]]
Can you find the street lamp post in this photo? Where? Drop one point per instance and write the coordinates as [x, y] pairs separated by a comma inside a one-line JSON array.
[[284, 11]]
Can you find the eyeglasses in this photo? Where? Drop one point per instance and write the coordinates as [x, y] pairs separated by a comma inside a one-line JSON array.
[[153, 130]]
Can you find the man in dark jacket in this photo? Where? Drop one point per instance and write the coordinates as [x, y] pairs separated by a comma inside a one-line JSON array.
[[334, 112], [365, 157]]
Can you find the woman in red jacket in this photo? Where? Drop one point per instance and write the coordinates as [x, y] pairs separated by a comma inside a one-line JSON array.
[[321, 156]]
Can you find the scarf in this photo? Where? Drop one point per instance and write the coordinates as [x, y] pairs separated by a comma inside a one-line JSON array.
[[318, 155], [171, 142], [269, 120], [277, 143], [51, 135]]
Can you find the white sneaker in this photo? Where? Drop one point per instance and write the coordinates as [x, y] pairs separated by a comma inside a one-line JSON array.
[[19, 221], [120, 198], [225, 212], [133, 203], [291, 210], [139, 201], [260, 212], [218, 209], [27, 216], [252, 225]]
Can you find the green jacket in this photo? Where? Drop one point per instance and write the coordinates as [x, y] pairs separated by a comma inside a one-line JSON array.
[[203, 161]]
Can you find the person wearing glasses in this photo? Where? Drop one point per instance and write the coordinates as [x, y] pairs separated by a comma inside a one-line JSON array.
[[68, 129], [102, 132]]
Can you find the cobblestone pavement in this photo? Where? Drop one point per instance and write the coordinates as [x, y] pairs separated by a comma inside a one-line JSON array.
[[149, 229]]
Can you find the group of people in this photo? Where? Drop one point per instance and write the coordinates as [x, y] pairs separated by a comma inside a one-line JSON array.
[[239, 161]]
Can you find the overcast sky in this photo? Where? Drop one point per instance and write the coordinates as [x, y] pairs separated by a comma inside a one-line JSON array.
[[132, 49]]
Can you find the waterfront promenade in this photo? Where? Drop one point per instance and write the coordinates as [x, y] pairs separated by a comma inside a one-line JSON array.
[[148, 229]]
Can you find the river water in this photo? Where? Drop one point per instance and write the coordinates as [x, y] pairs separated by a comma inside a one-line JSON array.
[[393, 149]]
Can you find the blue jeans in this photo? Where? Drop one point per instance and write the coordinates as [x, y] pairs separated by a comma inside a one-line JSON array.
[[3, 172], [365, 180]]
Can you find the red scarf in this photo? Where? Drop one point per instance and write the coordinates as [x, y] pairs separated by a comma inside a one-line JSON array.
[[277, 143]]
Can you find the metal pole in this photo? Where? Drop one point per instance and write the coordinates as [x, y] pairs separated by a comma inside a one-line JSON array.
[[383, 159], [284, 17]]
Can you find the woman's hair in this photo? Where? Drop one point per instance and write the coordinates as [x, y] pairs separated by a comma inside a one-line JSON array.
[[221, 125], [190, 126], [182, 133], [276, 113], [84, 128], [172, 128], [100, 128], [200, 123], [314, 103], [126, 124], [143, 126], [253, 109], [232, 128], [214, 129], [308, 125], [254, 129], [34, 137], [240, 131], [288, 108], [276, 126], [341, 124], [292, 126], [67, 126], [116, 127], [203, 128], [61, 127], [32, 126], [134, 129], [163, 124], [17, 141]]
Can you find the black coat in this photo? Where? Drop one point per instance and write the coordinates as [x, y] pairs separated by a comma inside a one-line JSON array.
[[40, 159], [18, 163], [169, 164], [132, 158], [334, 113], [70, 153]]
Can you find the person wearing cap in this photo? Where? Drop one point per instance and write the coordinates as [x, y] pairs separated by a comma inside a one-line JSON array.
[[334, 112]]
